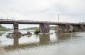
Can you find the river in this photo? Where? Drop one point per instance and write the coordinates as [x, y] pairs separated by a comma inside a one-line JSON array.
[[48, 44]]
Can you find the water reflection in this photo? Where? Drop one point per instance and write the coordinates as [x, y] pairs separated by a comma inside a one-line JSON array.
[[64, 36], [44, 38], [16, 38], [54, 44]]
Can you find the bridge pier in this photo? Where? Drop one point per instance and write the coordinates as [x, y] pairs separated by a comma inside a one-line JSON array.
[[79, 28], [16, 34], [16, 28], [58, 29], [44, 28], [64, 28], [16, 38], [15, 25], [82, 27], [16, 41], [70, 28]]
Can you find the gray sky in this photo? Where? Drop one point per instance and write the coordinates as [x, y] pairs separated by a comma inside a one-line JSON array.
[[69, 10]]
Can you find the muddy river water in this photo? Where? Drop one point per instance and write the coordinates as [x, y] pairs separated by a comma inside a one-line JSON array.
[[44, 44]]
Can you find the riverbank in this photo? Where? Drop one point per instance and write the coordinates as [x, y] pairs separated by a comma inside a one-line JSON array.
[[2, 50], [2, 32]]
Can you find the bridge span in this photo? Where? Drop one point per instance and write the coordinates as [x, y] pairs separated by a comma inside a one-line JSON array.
[[9, 21], [44, 25]]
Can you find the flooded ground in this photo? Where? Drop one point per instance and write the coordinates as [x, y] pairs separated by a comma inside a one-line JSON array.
[[47, 44]]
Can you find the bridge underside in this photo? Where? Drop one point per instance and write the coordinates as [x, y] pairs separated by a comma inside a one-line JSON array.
[[70, 28], [45, 28]]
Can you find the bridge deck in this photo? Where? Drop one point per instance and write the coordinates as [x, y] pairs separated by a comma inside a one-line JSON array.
[[35, 22]]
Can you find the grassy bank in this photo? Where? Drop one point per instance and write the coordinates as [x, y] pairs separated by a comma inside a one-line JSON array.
[[2, 32], [3, 29]]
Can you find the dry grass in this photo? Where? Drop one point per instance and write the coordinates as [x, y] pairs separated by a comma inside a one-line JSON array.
[[2, 51]]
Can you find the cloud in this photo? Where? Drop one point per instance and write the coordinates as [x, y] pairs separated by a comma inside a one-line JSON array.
[[43, 9], [73, 7]]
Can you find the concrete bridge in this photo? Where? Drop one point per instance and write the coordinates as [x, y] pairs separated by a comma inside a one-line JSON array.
[[44, 25], [61, 27]]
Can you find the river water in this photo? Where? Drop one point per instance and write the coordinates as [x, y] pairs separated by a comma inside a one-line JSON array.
[[47, 44]]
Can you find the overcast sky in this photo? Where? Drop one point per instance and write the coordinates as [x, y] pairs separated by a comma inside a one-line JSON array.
[[48, 10]]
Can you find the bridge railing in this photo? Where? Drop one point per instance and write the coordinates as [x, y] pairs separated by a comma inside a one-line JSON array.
[[36, 21], [7, 20], [31, 21]]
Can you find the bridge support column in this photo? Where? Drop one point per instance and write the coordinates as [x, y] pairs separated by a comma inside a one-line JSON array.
[[82, 28], [15, 25], [64, 28], [16, 41], [16, 38], [78, 28], [16, 29], [44, 28], [71, 28], [58, 29], [16, 34]]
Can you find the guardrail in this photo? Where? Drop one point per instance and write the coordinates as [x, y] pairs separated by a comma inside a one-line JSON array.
[[7, 20], [30, 21]]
